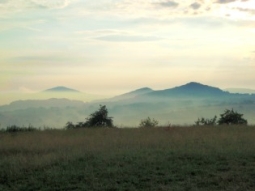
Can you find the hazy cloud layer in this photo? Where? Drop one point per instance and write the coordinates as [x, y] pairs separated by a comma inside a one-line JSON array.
[[128, 38], [117, 36], [160, 9]]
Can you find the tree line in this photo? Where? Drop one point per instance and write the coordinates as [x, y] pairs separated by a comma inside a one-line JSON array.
[[100, 118]]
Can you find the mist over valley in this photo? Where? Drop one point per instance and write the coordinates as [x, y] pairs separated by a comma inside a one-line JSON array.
[[180, 105]]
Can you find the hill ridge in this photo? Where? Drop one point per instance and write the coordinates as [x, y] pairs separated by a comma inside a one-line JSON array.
[[61, 89], [193, 89]]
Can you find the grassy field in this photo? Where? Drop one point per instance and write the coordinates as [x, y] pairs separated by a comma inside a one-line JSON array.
[[157, 159]]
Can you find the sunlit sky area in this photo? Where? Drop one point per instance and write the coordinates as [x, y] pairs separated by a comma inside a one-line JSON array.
[[114, 46]]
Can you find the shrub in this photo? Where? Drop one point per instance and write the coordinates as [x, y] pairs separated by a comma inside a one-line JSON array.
[[148, 122], [14, 128], [204, 121], [69, 125]]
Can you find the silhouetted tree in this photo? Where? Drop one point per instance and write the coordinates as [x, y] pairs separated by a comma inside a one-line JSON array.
[[231, 117], [99, 118]]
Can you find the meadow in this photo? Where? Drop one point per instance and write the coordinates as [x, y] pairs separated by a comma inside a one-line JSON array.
[[153, 159]]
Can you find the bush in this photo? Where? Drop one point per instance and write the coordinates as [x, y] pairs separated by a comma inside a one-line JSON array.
[[69, 125], [231, 117], [14, 128], [204, 121], [148, 122]]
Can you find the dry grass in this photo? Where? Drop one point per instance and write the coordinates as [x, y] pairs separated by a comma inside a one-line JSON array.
[[30, 152]]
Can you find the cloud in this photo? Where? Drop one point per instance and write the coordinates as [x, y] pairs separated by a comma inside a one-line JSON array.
[[225, 1], [195, 6], [95, 34], [101, 32], [51, 4], [126, 10], [128, 38], [167, 4], [13, 6], [250, 11], [112, 35]]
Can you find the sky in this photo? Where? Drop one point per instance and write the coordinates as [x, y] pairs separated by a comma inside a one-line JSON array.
[[110, 47]]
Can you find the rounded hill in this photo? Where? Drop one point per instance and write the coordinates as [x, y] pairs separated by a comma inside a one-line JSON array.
[[61, 89]]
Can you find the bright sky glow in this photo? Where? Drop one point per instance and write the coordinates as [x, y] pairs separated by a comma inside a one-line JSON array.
[[114, 46]]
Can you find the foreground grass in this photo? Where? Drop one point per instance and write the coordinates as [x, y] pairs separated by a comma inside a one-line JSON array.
[[192, 158]]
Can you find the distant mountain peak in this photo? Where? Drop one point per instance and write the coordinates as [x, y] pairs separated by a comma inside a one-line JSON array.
[[198, 88], [194, 84], [61, 89]]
